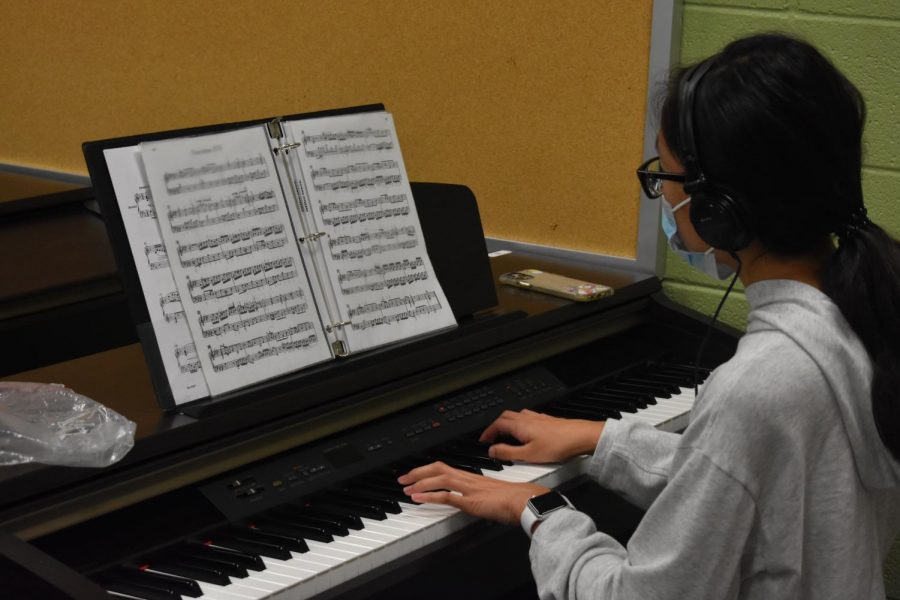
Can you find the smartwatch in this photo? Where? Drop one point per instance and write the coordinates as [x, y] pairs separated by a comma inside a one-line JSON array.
[[541, 507]]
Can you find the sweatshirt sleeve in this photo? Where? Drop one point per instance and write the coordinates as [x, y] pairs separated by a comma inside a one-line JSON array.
[[689, 544], [633, 459]]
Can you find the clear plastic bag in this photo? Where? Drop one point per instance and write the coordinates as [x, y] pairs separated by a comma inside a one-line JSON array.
[[53, 425]]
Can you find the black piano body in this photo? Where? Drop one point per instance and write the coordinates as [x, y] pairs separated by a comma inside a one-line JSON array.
[[62, 529]]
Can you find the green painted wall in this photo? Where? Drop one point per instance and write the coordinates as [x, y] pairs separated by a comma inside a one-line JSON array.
[[862, 37]]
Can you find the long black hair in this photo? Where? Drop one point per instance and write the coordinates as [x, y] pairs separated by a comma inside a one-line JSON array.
[[779, 126]]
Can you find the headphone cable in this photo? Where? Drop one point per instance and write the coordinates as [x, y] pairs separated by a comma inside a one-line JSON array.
[[712, 322]]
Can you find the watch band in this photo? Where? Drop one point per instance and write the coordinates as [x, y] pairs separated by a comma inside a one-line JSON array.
[[553, 502]]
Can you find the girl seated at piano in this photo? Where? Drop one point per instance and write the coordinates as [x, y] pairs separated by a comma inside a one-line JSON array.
[[786, 482]]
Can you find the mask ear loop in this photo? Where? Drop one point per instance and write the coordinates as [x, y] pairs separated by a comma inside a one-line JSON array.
[[712, 322]]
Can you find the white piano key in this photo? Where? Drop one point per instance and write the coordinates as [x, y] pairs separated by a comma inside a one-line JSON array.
[[212, 591], [317, 558], [389, 526]]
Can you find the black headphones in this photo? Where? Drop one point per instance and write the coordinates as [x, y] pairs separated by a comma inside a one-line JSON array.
[[721, 218]]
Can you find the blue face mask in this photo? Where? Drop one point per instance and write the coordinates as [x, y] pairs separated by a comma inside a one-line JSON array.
[[702, 261]]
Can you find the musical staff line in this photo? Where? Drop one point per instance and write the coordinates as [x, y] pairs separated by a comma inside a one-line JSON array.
[[335, 149], [231, 253], [156, 256], [411, 307], [144, 202], [242, 288], [382, 270], [212, 168], [199, 207], [187, 359], [355, 184], [169, 301], [350, 134], [364, 167], [268, 338], [243, 324], [386, 283]]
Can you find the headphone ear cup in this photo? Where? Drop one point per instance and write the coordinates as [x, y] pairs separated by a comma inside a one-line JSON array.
[[720, 220]]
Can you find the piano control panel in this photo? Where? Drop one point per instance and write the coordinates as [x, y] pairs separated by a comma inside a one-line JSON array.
[[406, 435]]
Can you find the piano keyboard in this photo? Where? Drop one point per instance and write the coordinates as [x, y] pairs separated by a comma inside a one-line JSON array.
[[307, 546]]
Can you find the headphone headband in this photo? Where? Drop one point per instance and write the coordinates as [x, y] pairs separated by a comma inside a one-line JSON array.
[[721, 219], [690, 156]]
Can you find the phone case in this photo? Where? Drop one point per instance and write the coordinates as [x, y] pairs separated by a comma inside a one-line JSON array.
[[556, 285]]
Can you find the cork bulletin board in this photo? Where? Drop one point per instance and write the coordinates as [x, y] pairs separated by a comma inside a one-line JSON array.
[[537, 106]]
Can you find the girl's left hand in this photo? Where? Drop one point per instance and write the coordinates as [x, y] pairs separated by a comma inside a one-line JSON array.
[[475, 494]]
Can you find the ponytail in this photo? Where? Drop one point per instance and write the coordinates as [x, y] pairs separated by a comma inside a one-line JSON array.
[[862, 278]]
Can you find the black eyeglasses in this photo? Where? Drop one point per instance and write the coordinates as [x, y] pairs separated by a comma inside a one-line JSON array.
[[651, 176]]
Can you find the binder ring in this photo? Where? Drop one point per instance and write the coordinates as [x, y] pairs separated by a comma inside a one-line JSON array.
[[313, 236], [285, 147], [339, 324]]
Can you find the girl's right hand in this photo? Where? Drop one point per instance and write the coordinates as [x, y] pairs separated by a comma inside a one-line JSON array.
[[545, 439]]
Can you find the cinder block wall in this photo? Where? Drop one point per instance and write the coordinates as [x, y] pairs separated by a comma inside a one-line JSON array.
[[862, 37]]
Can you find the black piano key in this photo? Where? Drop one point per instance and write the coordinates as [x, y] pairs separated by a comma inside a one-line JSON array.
[[290, 542], [301, 516], [565, 411], [603, 408], [386, 502], [655, 390], [643, 400], [393, 490], [229, 567], [135, 590], [341, 515], [702, 372], [198, 572], [476, 448], [248, 560], [247, 542], [144, 575], [605, 401], [308, 532], [358, 508], [677, 381], [456, 463], [595, 412], [669, 383], [482, 462]]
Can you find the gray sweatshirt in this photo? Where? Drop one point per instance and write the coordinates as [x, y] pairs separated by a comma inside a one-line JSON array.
[[779, 488]]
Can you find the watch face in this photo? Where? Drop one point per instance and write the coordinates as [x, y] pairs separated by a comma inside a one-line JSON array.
[[549, 502]]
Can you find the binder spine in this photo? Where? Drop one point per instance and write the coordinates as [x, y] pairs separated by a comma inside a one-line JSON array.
[[317, 271]]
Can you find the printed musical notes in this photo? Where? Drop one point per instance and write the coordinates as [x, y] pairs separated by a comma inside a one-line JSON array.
[[390, 311], [357, 194], [242, 285], [238, 272], [167, 316]]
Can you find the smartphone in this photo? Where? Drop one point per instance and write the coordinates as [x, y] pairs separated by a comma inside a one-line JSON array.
[[556, 285]]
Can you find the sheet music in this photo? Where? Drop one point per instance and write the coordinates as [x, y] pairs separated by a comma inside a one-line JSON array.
[[167, 316], [355, 188], [231, 248]]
